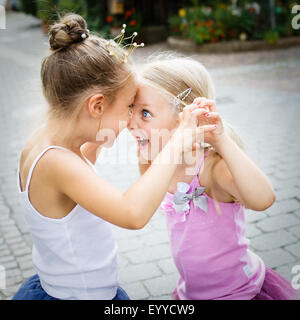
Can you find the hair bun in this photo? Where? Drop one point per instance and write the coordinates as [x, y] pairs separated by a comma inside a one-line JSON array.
[[71, 28]]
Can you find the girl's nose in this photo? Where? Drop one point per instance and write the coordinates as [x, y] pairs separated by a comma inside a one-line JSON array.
[[132, 123]]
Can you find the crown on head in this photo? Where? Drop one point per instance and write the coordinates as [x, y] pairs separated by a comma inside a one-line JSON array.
[[115, 43]]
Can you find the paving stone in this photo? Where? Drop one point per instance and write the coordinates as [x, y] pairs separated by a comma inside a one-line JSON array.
[[138, 272], [21, 223], [288, 183], [151, 254], [136, 290], [129, 244], [162, 297], [287, 193], [11, 290], [21, 251], [253, 216], [7, 224], [16, 240], [4, 252], [6, 294], [273, 240], [122, 261], [12, 234], [4, 211], [27, 238], [278, 222], [295, 231], [121, 233], [18, 245], [294, 249], [25, 265], [286, 270], [167, 265], [157, 237], [28, 273], [159, 221], [297, 213], [11, 273], [14, 280], [252, 231], [276, 257], [284, 206], [6, 258], [162, 285], [9, 264]]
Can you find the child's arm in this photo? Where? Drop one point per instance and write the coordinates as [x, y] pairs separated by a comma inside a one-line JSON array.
[[237, 174], [133, 208]]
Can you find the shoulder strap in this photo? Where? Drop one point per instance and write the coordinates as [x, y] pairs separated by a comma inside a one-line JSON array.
[[200, 163], [35, 162]]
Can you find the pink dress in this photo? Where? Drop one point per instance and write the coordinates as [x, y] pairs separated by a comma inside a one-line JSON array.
[[211, 252]]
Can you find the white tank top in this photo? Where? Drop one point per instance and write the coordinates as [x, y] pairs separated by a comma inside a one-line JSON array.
[[75, 256]]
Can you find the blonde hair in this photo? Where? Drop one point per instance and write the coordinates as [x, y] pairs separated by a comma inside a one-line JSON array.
[[79, 65], [172, 74]]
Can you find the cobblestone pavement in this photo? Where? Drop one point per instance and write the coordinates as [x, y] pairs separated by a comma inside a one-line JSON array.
[[257, 92]]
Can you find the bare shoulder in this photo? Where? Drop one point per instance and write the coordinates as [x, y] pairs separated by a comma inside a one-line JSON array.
[[29, 153], [224, 181], [221, 171], [61, 164], [217, 178], [52, 166], [32, 147]]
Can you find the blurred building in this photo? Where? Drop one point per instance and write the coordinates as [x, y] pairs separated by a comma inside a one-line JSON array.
[[155, 15]]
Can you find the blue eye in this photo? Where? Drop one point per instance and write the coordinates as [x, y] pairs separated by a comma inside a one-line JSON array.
[[146, 114]]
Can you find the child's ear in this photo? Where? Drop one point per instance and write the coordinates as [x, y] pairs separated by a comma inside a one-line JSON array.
[[95, 105]]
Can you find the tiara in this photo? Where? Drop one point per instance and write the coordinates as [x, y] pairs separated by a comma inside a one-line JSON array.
[[112, 45], [181, 97]]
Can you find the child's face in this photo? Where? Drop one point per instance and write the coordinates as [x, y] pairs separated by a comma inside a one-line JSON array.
[[116, 115], [152, 121]]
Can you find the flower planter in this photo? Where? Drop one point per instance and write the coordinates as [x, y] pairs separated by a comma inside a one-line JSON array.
[[231, 46]]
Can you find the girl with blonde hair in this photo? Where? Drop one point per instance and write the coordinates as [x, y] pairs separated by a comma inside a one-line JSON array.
[[205, 211]]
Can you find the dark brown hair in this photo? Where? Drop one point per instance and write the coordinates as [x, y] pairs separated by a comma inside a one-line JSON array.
[[79, 65]]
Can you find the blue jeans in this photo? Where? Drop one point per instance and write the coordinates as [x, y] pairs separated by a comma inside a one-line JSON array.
[[31, 289]]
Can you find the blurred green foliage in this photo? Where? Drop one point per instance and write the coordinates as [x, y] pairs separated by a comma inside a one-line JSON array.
[[94, 11], [215, 20], [198, 20]]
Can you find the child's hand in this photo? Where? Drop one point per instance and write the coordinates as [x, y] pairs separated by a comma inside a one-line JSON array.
[[192, 128], [210, 117]]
